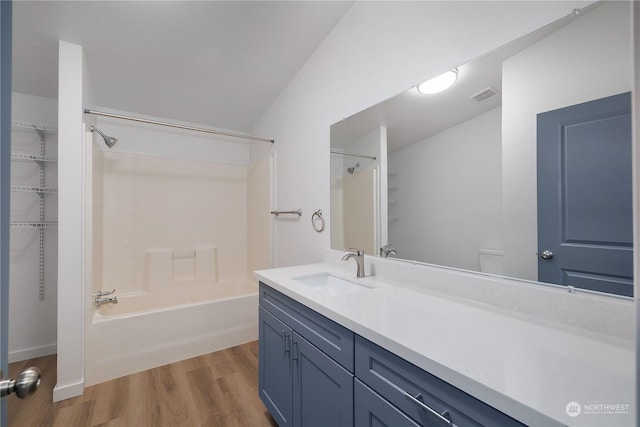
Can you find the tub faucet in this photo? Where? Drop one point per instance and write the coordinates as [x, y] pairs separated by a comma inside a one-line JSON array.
[[358, 255], [99, 298]]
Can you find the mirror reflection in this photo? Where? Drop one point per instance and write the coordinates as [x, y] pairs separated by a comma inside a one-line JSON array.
[[521, 168]]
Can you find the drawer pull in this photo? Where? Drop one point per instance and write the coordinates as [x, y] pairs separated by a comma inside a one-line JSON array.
[[444, 416]]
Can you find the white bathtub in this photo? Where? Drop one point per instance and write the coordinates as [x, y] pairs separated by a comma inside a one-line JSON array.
[[145, 331]]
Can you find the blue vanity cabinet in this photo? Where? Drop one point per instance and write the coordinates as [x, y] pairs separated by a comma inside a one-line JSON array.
[[306, 364], [315, 372], [420, 395], [275, 374]]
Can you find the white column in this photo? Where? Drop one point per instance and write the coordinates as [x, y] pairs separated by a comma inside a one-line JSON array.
[[70, 223]]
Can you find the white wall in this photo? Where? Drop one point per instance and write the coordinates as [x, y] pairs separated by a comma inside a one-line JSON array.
[[376, 51], [449, 193], [588, 59], [32, 323], [74, 94], [34, 109]]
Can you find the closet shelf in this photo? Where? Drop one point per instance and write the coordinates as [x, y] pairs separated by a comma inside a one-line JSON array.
[[34, 224], [34, 157], [42, 131], [33, 189], [32, 127]]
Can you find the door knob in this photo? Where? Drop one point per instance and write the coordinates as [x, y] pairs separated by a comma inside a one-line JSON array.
[[546, 254], [25, 385]]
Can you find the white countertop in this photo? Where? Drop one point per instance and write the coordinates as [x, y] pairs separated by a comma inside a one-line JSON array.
[[526, 367]]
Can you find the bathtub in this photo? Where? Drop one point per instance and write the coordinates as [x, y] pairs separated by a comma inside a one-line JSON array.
[[149, 330]]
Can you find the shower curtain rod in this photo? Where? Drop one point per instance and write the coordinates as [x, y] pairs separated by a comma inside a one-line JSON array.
[[344, 153], [173, 125]]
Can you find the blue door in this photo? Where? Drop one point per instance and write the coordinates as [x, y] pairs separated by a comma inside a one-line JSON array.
[[585, 211], [5, 185]]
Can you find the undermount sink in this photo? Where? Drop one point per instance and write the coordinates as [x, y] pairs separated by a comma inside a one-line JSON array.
[[330, 284]]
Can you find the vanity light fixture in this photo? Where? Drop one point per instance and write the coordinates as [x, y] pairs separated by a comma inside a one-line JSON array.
[[439, 83]]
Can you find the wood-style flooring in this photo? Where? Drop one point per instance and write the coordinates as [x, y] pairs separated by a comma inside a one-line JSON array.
[[216, 389]]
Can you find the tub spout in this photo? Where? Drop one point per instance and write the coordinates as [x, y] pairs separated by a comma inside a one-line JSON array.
[[101, 300]]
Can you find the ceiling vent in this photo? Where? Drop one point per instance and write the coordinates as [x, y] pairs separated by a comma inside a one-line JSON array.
[[484, 94]]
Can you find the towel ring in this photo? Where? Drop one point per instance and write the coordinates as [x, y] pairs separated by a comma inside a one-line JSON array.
[[317, 216]]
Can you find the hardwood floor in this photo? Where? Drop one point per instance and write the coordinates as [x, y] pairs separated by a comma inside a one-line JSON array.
[[216, 389]]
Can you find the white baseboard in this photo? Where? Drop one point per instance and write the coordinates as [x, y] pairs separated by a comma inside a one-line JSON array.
[[62, 392], [32, 353]]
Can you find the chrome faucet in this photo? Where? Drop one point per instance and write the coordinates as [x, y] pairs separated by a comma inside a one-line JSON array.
[[100, 298], [386, 250], [358, 255]]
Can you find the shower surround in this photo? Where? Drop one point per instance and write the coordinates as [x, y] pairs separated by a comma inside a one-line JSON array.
[[157, 205], [170, 235]]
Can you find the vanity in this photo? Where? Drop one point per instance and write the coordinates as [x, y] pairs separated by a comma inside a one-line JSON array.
[[509, 301], [392, 350]]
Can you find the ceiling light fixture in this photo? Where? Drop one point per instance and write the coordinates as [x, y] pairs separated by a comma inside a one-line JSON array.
[[439, 83]]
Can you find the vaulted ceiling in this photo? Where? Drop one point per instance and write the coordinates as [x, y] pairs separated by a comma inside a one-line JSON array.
[[219, 63]]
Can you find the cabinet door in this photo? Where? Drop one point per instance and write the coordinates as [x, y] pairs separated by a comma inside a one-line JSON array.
[[275, 378], [322, 389], [372, 410]]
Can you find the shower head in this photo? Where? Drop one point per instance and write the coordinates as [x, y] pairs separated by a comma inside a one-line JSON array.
[[109, 140], [352, 169]]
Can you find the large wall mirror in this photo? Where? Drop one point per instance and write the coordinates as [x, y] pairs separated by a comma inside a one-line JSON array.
[[522, 168]]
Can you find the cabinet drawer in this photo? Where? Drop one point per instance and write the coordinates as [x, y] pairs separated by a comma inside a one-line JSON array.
[[371, 410], [413, 390], [334, 340]]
